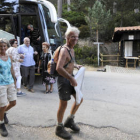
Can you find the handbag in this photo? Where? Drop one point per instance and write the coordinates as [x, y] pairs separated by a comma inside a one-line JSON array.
[[47, 78]]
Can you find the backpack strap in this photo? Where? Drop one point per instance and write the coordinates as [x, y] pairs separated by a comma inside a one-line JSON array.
[[70, 57], [69, 54]]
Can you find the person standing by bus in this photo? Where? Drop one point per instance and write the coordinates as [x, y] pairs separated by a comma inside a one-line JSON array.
[[7, 87], [17, 59], [34, 35], [35, 40], [48, 80], [66, 83], [28, 64]]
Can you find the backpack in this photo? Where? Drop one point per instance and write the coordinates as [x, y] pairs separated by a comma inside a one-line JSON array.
[[51, 68], [52, 63]]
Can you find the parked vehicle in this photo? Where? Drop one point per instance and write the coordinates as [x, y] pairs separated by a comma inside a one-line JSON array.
[[15, 15]]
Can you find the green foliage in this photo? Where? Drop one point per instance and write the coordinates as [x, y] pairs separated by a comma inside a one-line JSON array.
[[75, 18], [98, 17], [85, 55], [128, 19], [81, 5], [98, 14], [84, 31], [53, 1]]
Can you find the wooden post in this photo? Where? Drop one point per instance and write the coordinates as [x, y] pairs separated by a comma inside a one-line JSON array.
[[102, 60], [139, 61], [135, 60], [126, 65], [118, 59]]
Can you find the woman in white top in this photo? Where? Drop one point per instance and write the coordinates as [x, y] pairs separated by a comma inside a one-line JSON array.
[[16, 59]]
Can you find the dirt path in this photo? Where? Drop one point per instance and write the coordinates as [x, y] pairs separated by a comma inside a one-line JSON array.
[[17, 132]]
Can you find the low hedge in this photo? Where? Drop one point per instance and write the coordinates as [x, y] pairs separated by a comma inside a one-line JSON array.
[[85, 55]]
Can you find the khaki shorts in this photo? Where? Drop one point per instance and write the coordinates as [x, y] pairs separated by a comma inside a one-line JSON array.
[[7, 93]]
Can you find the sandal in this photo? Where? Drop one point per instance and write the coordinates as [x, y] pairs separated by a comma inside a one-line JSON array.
[[51, 91], [47, 91]]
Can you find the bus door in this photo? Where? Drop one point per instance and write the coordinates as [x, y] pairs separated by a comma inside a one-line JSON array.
[[28, 15]]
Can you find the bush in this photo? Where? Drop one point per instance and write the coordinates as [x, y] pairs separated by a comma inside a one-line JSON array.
[[84, 31], [85, 55]]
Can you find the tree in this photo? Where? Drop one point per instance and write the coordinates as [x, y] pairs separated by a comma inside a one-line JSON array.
[[53, 1], [81, 5], [68, 5], [123, 11], [59, 8], [97, 18]]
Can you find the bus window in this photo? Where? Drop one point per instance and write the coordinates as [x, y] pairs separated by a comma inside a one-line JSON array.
[[25, 20], [6, 24], [27, 8], [6, 27], [54, 38]]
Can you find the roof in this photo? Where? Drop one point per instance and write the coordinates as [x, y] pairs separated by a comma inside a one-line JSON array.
[[132, 28], [118, 31]]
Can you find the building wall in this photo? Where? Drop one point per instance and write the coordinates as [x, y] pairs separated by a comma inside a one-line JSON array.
[[136, 35]]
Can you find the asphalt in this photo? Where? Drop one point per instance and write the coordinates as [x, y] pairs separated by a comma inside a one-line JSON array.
[[110, 111]]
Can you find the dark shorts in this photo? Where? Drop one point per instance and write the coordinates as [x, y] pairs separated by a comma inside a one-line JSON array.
[[65, 90]]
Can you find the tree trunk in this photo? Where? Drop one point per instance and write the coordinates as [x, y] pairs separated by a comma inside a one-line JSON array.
[[68, 5], [97, 35], [59, 8]]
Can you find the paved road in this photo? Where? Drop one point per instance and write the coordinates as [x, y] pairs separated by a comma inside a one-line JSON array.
[[110, 111]]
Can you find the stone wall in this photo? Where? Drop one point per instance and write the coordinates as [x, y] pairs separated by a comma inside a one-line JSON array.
[[107, 48]]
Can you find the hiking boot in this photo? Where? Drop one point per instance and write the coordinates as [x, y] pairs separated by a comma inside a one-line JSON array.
[[61, 132], [5, 119], [3, 130], [69, 123]]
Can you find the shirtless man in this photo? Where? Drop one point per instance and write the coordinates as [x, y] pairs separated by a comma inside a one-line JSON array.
[[66, 83]]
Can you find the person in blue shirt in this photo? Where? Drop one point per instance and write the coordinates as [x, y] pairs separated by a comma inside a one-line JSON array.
[[28, 64], [8, 94]]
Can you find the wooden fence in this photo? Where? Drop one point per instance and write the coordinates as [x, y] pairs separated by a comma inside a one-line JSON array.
[[111, 58]]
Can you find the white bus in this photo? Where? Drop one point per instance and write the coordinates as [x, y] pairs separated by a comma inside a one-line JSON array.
[[15, 15]]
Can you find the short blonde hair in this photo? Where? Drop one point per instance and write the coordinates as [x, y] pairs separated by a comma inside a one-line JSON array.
[[71, 30], [46, 44], [4, 40]]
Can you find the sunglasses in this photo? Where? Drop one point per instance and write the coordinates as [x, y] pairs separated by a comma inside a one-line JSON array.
[[74, 37]]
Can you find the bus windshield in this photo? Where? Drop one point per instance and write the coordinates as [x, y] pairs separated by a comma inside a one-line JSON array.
[[52, 29]]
